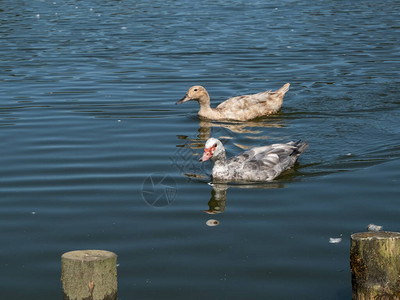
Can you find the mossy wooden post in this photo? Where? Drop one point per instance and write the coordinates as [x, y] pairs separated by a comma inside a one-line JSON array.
[[89, 275], [375, 265]]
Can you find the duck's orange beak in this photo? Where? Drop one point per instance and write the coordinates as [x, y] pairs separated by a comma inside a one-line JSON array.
[[208, 153], [184, 99]]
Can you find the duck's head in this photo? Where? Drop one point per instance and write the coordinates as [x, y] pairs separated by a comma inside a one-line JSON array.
[[197, 93], [213, 149]]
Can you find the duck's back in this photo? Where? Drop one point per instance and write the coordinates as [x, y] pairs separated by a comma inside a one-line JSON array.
[[264, 163], [244, 107], [248, 107]]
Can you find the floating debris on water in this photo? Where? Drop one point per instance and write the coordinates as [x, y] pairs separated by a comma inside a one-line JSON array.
[[335, 240], [373, 227], [212, 222]]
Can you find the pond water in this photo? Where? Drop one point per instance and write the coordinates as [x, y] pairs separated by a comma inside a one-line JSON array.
[[96, 155]]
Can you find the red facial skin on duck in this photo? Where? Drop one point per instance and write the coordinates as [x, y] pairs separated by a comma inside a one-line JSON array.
[[208, 153]]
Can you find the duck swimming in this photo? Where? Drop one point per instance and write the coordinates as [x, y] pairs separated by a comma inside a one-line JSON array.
[[258, 164], [240, 108]]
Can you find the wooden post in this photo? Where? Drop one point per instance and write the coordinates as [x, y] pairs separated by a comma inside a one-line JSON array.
[[375, 265], [89, 275]]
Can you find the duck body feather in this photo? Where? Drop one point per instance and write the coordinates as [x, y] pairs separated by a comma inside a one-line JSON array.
[[260, 164]]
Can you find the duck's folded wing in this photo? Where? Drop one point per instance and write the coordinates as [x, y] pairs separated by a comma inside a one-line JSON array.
[[244, 102], [276, 156], [282, 150]]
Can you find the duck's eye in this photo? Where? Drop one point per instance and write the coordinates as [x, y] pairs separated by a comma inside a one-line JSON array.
[[195, 90]]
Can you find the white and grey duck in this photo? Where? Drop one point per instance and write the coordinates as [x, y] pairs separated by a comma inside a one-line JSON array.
[[258, 164], [240, 108]]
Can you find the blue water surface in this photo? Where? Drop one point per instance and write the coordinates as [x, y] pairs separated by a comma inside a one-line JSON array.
[[96, 155]]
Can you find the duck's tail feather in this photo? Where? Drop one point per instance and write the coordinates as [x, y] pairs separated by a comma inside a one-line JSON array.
[[300, 147], [282, 91]]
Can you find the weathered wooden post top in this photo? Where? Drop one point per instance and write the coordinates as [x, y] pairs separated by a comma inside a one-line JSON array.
[[375, 265], [89, 275]]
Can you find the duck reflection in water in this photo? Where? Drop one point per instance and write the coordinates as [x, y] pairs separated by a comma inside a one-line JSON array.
[[217, 203]]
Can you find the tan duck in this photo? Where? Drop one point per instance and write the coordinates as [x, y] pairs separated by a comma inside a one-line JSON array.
[[240, 108]]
